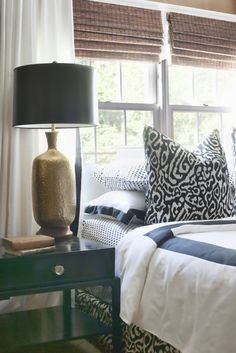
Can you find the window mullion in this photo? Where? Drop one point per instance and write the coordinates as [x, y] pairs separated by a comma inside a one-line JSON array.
[[121, 90], [200, 108], [95, 144], [193, 84], [126, 106], [165, 119], [125, 127]]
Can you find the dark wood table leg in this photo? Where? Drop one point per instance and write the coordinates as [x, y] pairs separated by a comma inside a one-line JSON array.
[[116, 322], [67, 311]]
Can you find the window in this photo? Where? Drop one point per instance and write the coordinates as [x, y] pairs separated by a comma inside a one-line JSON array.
[[201, 86], [200, 100], [194, 100], [127, 94]]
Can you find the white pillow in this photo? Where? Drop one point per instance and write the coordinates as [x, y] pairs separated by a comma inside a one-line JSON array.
[[122, 176], [126, 206]]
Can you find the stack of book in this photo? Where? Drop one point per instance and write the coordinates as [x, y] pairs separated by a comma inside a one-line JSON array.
[[28, 245]]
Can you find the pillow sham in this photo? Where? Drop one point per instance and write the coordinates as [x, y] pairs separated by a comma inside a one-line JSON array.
[[122, 176], [185, 185], [126, 206], [105, 230]]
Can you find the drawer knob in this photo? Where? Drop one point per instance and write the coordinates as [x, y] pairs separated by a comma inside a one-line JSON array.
[[59, 270]]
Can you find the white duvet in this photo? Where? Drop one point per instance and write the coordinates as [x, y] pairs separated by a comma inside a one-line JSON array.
[[184, 300]]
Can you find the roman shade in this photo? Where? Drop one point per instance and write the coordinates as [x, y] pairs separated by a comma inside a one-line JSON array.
[[103, 30], [201, 41]]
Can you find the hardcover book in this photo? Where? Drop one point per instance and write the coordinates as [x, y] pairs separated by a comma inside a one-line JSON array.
[[28, 242], [30, 251]]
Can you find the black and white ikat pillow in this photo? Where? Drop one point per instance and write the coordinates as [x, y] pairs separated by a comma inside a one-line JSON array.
[[185, 185]]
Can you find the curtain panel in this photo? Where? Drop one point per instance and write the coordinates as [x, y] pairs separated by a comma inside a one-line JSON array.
[[110, 31], [201, 41], [31, 31]]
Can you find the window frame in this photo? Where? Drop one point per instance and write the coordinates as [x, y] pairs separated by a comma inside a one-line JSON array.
[[195, 109], [162, 110], [170, 109], [125, 107]]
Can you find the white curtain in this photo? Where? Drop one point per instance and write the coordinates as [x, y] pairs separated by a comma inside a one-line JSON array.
[[31, 31]]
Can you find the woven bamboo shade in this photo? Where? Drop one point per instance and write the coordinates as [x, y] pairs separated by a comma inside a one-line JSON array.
[[104, 30], [200, 41]]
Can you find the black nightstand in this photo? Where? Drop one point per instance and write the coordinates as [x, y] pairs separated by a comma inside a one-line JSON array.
[[72, 265]]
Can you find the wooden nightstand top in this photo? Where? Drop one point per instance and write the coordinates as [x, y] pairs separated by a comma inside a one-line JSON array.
[[65, 246]]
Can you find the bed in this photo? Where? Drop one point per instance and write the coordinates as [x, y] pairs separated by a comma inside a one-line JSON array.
[[177, 269], [186, 277]]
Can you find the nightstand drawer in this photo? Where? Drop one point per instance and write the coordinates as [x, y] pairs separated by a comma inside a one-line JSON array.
[[52, 268]]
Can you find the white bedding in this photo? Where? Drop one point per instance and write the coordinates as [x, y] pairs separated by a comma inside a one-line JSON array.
[[185, 300]]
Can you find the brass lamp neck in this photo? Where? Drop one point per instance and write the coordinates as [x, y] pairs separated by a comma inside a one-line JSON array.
[[52, 139]]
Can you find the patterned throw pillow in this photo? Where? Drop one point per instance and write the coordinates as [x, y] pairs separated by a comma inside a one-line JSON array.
[[185, 185], [122, 176]]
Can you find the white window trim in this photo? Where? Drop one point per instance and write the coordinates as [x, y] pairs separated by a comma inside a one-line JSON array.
[[173, 8]]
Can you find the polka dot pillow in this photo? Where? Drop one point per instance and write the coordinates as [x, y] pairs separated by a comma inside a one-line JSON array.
[[122, 176]]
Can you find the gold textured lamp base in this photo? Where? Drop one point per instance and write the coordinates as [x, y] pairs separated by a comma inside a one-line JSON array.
[[56, 232], [53, 191]]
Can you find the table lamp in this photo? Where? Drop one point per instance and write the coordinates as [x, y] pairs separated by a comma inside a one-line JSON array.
[[53, 96]]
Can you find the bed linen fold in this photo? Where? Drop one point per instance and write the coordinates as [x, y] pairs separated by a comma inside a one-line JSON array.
[[185, 299]]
